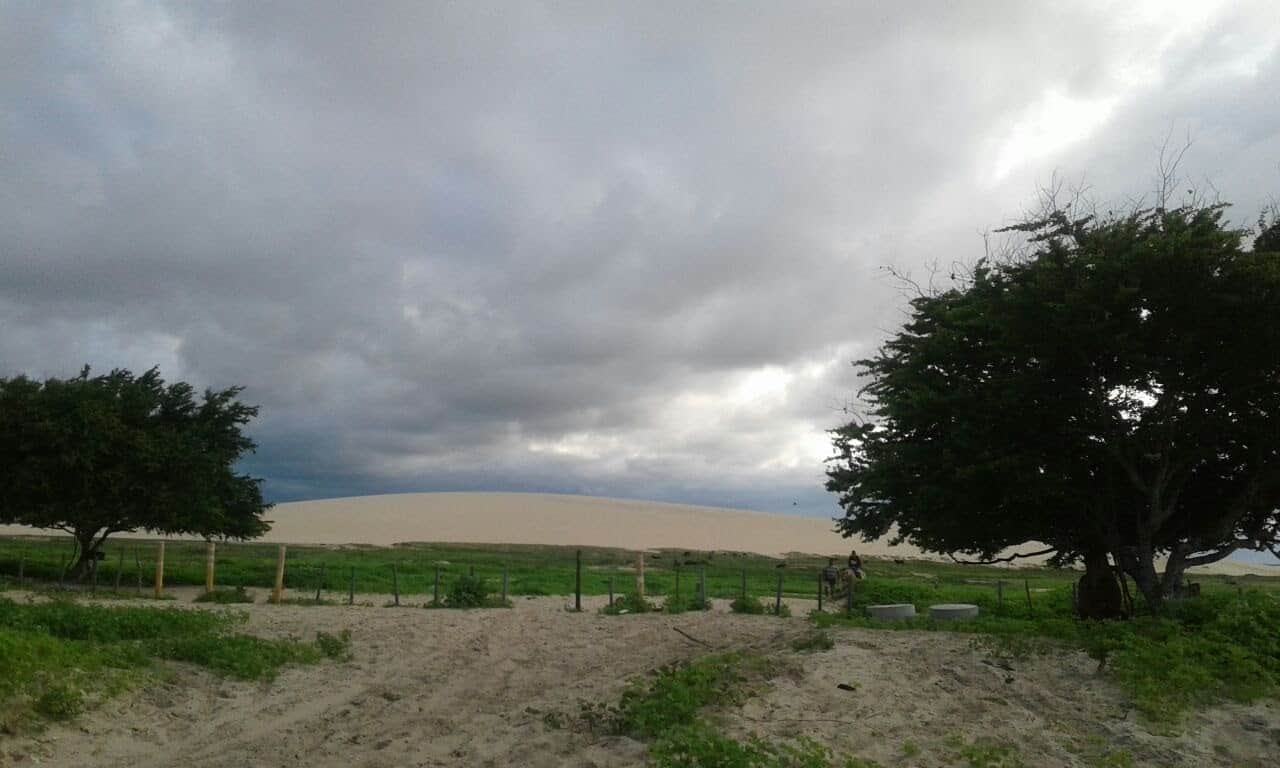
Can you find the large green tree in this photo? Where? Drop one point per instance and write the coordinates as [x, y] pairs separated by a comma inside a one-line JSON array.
[[100, 455], [1112, 392]]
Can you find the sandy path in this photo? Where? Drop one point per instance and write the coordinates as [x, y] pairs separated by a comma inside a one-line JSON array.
[[455, 688]]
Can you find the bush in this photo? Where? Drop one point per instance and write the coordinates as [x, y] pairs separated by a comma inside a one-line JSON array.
[[60, 702], [814, 641], [748, 605], [629, 603], [468, 591], [336, 647]]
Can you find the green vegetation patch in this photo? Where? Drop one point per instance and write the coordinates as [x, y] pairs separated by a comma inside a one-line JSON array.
[[58, 658], [630, 603], [226, 596], [1220, 646], [666, 709]]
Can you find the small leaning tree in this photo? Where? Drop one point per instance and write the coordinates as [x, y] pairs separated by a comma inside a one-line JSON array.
[[100, 455], [1113, 393]]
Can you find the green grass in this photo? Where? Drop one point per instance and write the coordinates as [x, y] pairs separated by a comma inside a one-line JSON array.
[[59, 657], [667, 710], [818, 640], [632, 603], [542, 570], [226, 596], [1222, 646]]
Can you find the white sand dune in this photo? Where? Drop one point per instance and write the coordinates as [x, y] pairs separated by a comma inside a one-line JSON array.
[[539, 518]]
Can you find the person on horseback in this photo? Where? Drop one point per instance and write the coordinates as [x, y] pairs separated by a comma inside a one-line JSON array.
[[855, 565]]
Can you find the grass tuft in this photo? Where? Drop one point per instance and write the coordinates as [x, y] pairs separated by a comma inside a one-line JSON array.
[[224, 596]]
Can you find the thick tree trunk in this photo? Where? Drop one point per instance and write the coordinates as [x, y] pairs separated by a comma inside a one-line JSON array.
[[1145, 576], [1099, 595], [87, 546]]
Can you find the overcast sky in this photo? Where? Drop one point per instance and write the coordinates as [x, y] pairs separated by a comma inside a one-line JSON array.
[[569, 247]]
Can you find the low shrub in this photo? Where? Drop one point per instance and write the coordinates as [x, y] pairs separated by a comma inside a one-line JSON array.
[[817, 640], [628, 603], [226, 596], [746, 604]]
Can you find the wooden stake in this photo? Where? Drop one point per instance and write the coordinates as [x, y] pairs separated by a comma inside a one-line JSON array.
[[1027, 586], [22, 569], [119, 571], [395, 583], [702, 587], [1000, 594], [506, 580], [323, 578], [159, 592], [351, 587], [209, 560], [577, 583], [435, 594], [610, 591], [640, 575], [277, 592], [744, 584], [93, 587], [821, 583], [677, 582], [137, 562], [777, 603]]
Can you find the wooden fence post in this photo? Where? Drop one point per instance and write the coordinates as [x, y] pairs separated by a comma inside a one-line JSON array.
[[324, 577], [22, 569], [640, 575], [277, 592], [1027, 586], [435, 592], [1000, 594], [506, 580], [577, 583], [119, 571], [702, 587], [820, 585], [395, 583], [777, 603], [93, 587], [677, 597], [209, 559], [744, 584], [351, 587], [610, 591], [137, 562], [159, 592]]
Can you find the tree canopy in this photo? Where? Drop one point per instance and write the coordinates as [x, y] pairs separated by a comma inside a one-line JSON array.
[[1114, 390], [100, 455]]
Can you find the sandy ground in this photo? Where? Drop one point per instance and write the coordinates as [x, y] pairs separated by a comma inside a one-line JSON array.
[[535, 518], [457, 688]]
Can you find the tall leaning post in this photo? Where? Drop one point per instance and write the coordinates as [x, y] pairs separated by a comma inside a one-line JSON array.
[[577, 583], [159, 592], [209, 559], [640, 575], [277, 592], [777, 603], [820, 590]]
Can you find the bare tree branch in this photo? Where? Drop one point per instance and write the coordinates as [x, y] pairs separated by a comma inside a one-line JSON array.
[[1009, 559]]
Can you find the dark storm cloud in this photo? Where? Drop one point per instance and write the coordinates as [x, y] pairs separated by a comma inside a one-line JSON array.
[[562, 247]]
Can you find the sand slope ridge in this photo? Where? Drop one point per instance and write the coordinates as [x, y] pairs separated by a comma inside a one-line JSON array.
[[536, 518]]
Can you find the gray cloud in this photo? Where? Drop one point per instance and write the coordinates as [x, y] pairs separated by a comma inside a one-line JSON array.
[[567, 247]]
